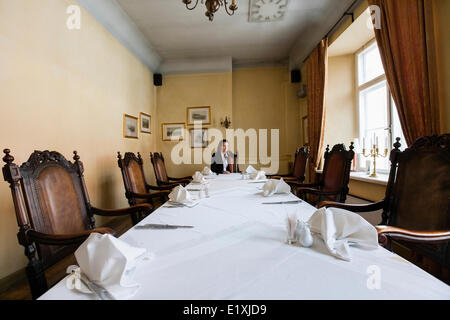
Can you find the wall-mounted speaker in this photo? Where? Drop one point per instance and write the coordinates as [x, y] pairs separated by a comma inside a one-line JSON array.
[[296, 76], [157, 79], [301, 93]]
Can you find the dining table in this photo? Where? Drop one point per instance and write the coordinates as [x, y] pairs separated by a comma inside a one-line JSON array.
[[237, 250]]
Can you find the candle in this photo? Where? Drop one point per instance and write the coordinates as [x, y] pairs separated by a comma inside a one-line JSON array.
[[377, 141], [386, 143], [364, 142]]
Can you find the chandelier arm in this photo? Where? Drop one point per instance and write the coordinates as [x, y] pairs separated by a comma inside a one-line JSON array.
[[226, 8], [192, 8]]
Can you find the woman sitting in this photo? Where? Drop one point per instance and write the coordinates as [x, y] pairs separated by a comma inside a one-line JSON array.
[[223, 160]]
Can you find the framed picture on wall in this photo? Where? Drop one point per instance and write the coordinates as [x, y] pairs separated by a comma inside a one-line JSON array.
[[199, 138], [130, 126], [198, 114], [173, 131], [305, 130], [145, 122]]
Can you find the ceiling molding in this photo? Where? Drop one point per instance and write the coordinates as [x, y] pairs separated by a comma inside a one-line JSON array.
[[203, 65], [114, 19]]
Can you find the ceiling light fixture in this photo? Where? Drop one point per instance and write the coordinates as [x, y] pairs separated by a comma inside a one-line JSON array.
[[212, 6]]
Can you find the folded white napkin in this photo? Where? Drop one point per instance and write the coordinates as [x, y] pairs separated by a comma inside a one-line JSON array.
[[259, 175], [110, 263], [198, 178], [338, 228], [272, 187], [207, 171], [250, 170], [180, 194]]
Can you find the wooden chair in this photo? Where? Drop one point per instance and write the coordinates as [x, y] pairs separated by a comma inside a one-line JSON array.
[[333, 184], [53, 210], [162, 179], [299, 169], [416, 208], [137, 190]]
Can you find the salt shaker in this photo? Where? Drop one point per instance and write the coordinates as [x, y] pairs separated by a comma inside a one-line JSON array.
[[304, 234], [207, 191]]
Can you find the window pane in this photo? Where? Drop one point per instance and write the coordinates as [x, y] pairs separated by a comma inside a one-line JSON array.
[[369, 64], [374, 121]]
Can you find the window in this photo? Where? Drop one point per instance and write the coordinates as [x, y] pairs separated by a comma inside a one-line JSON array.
[[378, 118]]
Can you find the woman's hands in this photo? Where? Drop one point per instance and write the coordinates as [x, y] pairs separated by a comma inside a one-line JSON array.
[[226, 172]]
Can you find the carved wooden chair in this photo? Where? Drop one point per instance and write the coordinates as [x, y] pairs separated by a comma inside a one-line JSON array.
[[299, 169], [416, 208], [137, 190], [333, 184], [162, 179], [53, 210]]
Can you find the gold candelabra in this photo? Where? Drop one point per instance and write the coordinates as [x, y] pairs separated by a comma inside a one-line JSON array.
[[374, 152]]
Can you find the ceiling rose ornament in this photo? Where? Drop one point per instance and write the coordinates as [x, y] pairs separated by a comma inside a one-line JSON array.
[[267, 10], [212, 6]]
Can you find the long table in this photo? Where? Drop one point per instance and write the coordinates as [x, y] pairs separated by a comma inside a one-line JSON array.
[[237, 251]]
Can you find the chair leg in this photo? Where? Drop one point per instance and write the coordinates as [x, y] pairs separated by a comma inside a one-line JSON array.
[[36, 278]]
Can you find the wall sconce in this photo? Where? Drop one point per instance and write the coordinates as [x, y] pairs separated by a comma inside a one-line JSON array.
[[225, 123]]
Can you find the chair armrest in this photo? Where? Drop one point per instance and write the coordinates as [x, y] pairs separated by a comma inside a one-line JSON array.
[[161, 188], [150, 195], [317, 191], [65, 239], [302, 185], [180, 179], [278, 175], [353, 207], [387, 232], [143, 207]]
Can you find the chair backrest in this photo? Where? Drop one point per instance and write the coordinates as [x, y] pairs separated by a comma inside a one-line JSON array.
[[301, 159], [50, 196], [418, 191], [159, 167], [133, 176], [336, 171]]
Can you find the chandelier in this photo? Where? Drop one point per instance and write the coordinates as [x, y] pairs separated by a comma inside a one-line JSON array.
[[212, 6]]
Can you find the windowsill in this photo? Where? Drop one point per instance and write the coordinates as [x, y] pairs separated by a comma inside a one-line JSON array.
[[382, 179]]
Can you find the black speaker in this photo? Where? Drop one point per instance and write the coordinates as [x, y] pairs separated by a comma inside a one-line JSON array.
[[157, 79], [296, 76]]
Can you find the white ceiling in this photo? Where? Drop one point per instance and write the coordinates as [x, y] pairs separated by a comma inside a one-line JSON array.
[[178, 34]]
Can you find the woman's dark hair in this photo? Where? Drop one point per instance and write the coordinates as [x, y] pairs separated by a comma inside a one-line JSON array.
[[225, 140]]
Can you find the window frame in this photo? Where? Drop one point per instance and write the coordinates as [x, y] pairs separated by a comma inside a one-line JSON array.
[[390, 108]]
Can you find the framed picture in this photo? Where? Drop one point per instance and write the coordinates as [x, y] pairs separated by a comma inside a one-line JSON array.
[[198, 114], [199, 138], [145, 122], [130, 126], [305, 130], [173, 131]]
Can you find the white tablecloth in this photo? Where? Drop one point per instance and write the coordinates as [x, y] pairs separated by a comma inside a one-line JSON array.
[[237, 250]]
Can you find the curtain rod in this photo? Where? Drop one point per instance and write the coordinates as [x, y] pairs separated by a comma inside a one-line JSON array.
[[348, 12]]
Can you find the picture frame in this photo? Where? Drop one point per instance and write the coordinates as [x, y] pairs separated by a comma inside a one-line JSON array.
[[198, 114], [145, 121], [130, 126], [198, 137], [173, 131], [305, 130]]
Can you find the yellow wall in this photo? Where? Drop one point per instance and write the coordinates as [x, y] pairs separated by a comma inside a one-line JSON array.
[[258, 98], [441, 11], [181, 91], [265, 98], [66, 90], [341, 123]]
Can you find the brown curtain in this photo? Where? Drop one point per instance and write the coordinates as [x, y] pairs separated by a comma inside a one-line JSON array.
[[317, 70], [406, 42]]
